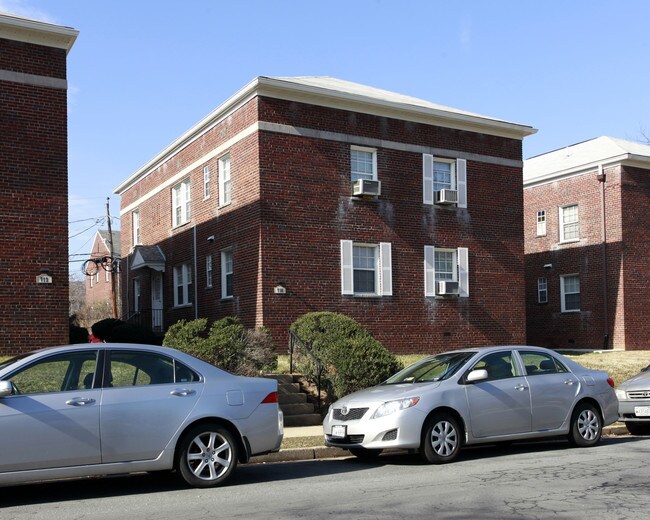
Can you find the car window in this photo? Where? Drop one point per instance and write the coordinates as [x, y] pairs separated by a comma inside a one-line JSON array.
[[56, 373], [128, 368], [498, 365], [538, 363], [436, 368]]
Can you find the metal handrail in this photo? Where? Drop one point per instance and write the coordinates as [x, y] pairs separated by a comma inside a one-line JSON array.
[[296, 342]]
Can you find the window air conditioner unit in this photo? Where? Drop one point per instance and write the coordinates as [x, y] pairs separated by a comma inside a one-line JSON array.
[[446, 197], [446, 288], [366, 187]]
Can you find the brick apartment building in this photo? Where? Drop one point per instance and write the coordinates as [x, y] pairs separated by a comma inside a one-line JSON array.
[[102, 267], [33, 184], [587, 245], [311, 193]]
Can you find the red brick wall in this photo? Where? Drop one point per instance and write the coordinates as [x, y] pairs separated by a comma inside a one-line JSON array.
[[98, 288], [546, 324], [33, 201]]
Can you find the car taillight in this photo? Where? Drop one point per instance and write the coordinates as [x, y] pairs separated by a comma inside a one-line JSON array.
[[271, 398], [610, 381]]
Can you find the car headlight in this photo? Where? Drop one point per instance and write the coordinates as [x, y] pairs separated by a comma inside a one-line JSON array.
[[390, 407], [620, 394]]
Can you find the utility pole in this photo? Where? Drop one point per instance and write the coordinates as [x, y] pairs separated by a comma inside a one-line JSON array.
[[110, 251]]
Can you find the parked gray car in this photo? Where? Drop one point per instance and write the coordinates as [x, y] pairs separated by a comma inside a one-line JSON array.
[[473, 396], [101, 409], [634, 403]]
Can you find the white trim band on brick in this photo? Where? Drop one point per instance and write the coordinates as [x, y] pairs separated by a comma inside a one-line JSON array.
[[33, 80]]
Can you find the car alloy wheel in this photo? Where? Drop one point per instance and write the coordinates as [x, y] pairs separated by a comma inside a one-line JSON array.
[[208, 455], [586, 427], [442, 439]]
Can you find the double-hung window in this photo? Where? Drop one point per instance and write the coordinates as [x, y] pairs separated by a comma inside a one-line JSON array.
[[183, 288], [135, 225], [363, 163], [541, 223], [570, 293], [569, 223], [225, 186], [366, 269], [226, 274], [444, 174], [206, 182], [542, 290], [448, 269], [181, 203]]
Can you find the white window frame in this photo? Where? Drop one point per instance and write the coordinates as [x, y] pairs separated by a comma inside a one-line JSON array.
[[542, 289], [183, 281], [208, 271], [225, 182], [541, 223], [458, 180], [227, 270], [135, 226], [357, 175], [137, 295], [564, 292], [461, 270], [181, 203], [564, 224], [382, 268], [107, 276], [206, 182]]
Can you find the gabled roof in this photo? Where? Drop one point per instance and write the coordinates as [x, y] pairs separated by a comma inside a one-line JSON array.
[[26, 30], [148, 256], [345, 95], [584, 157], [117, 241]]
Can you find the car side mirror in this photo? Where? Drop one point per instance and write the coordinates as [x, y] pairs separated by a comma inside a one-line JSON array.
[[6, 388], [477, 375]]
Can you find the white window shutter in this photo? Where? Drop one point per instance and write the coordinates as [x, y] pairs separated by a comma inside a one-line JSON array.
[[461, 182], [427, 179], [347, 280], [463, 272], [429, 271], [386, 266]]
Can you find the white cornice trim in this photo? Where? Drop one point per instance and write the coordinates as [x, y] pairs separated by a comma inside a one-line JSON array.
[[39, 33]]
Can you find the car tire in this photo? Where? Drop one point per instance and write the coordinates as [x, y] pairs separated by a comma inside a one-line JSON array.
[[636, 428], [207, 456], [441, 440], [365, 453], [586, 426]]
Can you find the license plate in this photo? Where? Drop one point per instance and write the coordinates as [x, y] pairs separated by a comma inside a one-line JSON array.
[[642, 411], [339, 431]]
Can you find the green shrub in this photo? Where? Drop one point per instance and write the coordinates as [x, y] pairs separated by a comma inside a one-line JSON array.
[[228, 345], [351, 357]]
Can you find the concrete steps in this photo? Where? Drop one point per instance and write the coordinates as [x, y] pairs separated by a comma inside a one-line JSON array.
[[295, 405]]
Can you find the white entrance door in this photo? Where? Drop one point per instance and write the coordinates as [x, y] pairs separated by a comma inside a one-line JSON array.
[[156, 301]]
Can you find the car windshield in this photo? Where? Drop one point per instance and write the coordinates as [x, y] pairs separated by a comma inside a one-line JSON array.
[[436, 368]]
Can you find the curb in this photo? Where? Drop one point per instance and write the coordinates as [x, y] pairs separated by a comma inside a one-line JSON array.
[[324, 452]]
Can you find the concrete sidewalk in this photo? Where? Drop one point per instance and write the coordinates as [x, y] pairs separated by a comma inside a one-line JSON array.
[[324, 452]]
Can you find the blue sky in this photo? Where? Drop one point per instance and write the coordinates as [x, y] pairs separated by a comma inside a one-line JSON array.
[[143, 72]]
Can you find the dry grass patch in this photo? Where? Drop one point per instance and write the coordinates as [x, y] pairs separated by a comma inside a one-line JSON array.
[[619, 364]]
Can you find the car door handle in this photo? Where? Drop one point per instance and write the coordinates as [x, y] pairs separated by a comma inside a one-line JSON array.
[[182, 392], [521, 387], [79, 401], [569, 382]]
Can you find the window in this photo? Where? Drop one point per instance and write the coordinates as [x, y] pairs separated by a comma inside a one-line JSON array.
[[569, 225], [183, 284], [147, 368], [226, 273], [498, 365], [137, 295], [181, 209], [206, 182], [135, 224], [541, 223], [208, 271], [107, 276], [363, 163], [537, 363], [542, 290], [446, 265], [444, 174], [224, 181], [366, 269], [570, 289]]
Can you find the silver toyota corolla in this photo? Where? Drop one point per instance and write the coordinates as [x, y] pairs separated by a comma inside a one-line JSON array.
[[100, 409], [634, 403], [474, 396]]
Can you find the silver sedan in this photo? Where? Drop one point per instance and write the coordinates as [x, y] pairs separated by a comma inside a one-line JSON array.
[[102, 409], [634, 403], [474, 396]]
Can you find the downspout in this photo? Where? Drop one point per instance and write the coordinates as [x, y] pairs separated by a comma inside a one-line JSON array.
[[602, 178], [195, 284]]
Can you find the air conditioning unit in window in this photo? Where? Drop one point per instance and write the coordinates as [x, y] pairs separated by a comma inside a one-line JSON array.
[[446, 288], [362, 187], [446, 197]]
